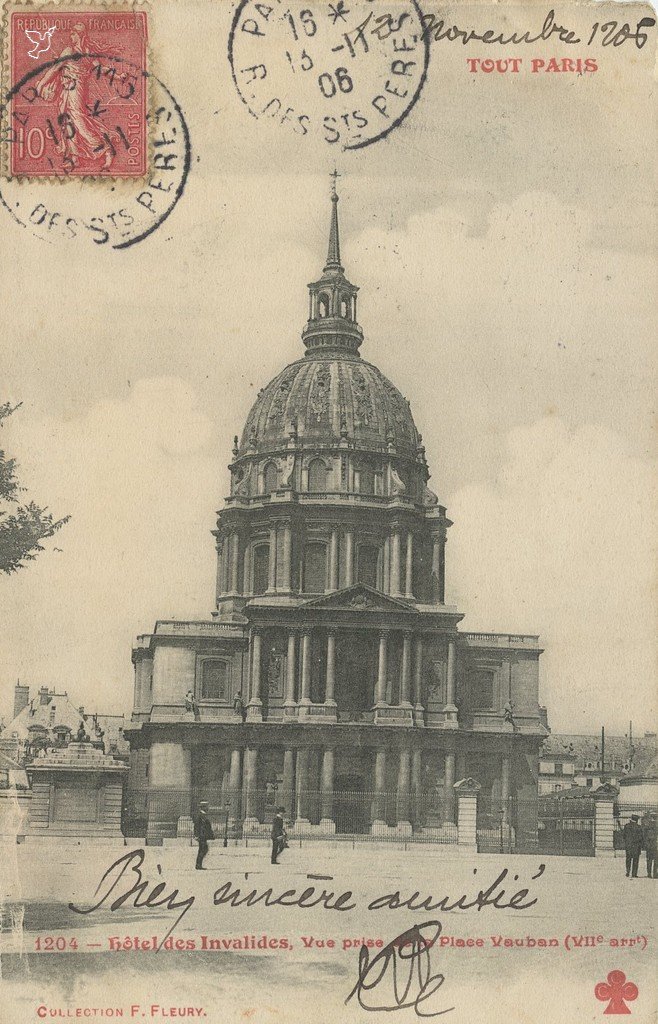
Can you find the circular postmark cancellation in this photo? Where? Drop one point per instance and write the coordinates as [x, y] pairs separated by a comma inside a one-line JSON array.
[[77, 172], [347, 72]]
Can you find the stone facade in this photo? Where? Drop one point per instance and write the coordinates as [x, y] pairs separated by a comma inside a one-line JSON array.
[[333, 678]]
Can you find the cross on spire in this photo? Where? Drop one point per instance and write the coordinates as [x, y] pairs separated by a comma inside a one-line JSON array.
[[333, 255]]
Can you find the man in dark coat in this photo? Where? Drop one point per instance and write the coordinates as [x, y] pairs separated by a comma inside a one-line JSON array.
[[203, 833], [649, 843], [632, 845], [278, 835]]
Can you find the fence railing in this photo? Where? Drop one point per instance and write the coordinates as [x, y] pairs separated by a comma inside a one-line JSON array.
[[169, 813]]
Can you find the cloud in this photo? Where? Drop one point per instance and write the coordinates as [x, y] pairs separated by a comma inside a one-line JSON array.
[[562, 543], [139, 479]]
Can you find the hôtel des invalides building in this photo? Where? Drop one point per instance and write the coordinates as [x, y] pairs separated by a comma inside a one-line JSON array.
[[363, 702]]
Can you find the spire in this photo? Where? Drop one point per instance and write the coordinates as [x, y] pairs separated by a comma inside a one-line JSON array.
[[333, 255], [332, 326]]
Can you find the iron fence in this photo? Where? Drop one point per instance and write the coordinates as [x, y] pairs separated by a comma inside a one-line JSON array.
[[308, 814]]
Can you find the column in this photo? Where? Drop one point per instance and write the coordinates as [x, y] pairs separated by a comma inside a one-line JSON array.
[[331, 669], [405, 682], [220, 569], [395, 564], [418, 674], [382, 669], [449, 792], [170, 786], [306, 668], [254, 694], [288, 785], [327, 788], [450, 676], [287, 557], [404, 779], [251, 775], [271, 580], [505, 788], [442, 571], [235, 563], [333, 561], [379, 816], [409, 589], [246, 576], [386, 569], [349, 558], [437, 545], [302, 787], [416, 786], [235, 784], [290, 671]]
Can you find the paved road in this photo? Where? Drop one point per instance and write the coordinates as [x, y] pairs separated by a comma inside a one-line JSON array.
[[272, 963]]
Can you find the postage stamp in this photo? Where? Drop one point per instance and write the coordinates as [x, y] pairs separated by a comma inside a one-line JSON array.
[[80, 105], [348, 74], [84, 112]]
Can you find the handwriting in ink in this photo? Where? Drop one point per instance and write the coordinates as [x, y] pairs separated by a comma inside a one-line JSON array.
[[402, 974], [138, 891]]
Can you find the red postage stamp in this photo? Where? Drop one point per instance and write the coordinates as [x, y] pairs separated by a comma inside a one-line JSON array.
[[78, 92]]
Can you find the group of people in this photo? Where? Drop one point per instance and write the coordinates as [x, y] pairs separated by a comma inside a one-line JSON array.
[[203, 833], [637, 837]]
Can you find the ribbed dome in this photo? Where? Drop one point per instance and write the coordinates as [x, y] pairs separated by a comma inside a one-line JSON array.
[[322, 399]]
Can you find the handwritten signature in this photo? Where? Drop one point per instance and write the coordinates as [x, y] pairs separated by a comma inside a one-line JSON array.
[[404, 970]]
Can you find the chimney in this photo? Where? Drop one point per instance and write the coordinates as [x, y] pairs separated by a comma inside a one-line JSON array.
[[43, 695], [21, 698]]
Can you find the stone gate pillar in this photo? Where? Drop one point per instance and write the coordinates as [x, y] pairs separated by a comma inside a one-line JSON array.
[[604, 822], [467, 799]]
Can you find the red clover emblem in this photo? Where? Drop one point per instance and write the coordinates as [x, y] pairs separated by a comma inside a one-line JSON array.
[[617, 990]]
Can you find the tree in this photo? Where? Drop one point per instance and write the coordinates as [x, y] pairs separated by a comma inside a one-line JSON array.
[[22, 526]]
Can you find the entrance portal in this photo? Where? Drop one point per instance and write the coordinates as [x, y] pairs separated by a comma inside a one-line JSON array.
[[351, 805]]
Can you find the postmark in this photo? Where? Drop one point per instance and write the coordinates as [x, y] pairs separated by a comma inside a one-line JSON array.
[[84, 113], [96, 149], [346, 72]]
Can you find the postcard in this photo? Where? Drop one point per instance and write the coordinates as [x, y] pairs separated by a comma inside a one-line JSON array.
[[327, 512]]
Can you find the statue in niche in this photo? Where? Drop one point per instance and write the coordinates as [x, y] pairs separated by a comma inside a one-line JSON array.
[[288, 471], [398, 485], [436, 687], [275, 674], [243, 480], [430, 499]]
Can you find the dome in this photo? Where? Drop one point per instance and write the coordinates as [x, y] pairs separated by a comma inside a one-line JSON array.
[[321, 399]]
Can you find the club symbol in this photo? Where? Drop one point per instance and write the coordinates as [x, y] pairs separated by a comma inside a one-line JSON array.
[[617, 990], [40, 40]]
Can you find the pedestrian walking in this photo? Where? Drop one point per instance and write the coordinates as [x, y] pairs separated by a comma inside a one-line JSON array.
[[238, 706], [649, 843], [632, 845], [203, 833], [279, 836]]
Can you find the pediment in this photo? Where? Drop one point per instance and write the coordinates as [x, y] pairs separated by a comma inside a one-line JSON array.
[[359, 598]]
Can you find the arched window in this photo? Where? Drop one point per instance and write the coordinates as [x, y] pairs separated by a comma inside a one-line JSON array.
[[315, 568], [368, 556], [261, 568], [270, 477], [214, 680], [366, 480], [345, 307], [323, 306], [317, 476]]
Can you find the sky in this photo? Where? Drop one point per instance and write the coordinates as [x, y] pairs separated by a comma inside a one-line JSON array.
[[503, 241]]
